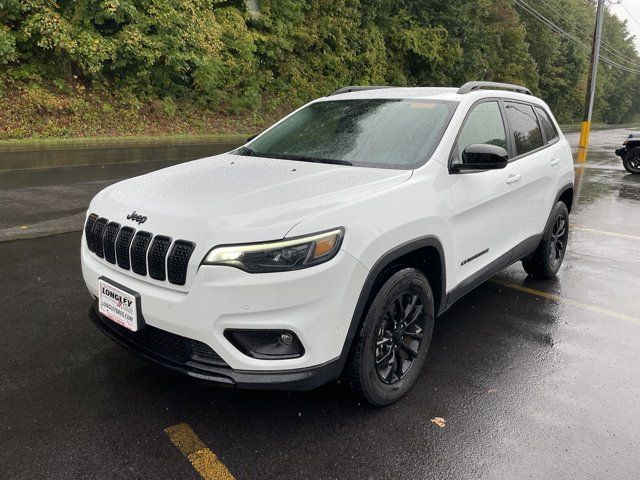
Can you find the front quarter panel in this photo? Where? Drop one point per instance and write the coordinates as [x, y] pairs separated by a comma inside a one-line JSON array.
[[382, 222]]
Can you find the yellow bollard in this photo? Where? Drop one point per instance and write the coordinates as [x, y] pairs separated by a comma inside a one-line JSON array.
[[584, 141]]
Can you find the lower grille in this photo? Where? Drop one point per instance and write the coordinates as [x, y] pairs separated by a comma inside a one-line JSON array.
[[169, 346]]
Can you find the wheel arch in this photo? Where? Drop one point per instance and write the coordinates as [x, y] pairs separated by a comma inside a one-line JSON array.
[[566, 195], [425, 254]]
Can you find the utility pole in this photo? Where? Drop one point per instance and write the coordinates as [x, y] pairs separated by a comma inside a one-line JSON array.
[[591, 87]]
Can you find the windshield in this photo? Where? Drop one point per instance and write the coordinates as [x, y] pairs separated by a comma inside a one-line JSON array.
[[387, 133]]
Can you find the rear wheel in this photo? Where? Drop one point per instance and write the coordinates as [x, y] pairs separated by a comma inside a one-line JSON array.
[[631, 161], [546, 260], [391, 347]]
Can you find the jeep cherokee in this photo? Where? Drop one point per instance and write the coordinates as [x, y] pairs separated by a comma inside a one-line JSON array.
[[327, 245]]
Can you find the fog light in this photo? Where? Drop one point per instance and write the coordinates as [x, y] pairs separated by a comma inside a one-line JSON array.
[[266, 344]]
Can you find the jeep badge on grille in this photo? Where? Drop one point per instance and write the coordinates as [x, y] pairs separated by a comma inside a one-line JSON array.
[[134, 217]]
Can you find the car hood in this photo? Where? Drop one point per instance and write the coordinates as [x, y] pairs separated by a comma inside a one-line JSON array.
[[232, 198]]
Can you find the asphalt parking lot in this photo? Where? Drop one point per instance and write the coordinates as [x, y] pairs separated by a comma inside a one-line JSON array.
[[531, 379]]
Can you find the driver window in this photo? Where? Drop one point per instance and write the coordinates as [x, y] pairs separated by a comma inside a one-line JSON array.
[[483, 125]]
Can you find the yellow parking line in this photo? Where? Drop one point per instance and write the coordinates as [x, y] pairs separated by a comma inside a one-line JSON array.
[[205, 462], [568, 301], [604, 232]]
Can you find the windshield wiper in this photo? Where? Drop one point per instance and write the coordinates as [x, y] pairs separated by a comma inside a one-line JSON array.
[[308, 158], [249, 152]]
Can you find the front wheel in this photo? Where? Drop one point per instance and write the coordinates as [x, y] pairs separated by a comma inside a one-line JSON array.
[[391, 347], [631, 161], [546, 260]]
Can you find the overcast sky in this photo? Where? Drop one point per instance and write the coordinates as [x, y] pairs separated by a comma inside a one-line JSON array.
[[629, 10]]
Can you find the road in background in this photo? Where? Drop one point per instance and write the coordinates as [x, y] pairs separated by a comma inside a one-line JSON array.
[[45, 200], [533, 379]]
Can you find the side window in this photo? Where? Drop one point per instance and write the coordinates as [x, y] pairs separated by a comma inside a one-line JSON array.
[[524, 127], [483, 125], [549, 129]]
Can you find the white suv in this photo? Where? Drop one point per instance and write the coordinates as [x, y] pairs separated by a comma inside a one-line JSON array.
[[329, 243]]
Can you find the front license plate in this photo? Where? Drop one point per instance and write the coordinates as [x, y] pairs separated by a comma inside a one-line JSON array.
[[118, 305]]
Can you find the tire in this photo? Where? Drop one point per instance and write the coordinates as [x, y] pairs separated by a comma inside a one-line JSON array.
[[547, 259], [385, 361], [631, 161]]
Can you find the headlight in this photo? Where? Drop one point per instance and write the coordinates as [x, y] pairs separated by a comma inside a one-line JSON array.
[[279, 255]]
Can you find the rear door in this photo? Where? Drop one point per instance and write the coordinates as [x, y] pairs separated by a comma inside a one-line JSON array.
[[536, 161], [556, 159], [483, 220]]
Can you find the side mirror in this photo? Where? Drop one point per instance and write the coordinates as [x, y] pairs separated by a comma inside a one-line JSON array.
[[482, 156], [252, 137]]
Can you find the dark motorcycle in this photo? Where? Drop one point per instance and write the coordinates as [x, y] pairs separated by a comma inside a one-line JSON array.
[[630, 153]]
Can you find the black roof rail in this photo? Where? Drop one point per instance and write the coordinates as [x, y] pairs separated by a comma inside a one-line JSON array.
[[471, 86], [355, 88]]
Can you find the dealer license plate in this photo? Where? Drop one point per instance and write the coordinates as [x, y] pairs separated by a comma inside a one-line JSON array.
[[118, 305]]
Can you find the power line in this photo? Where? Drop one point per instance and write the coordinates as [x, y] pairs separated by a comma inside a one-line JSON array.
[[605, 46], [526, 7], [629, 13], [561, 31]]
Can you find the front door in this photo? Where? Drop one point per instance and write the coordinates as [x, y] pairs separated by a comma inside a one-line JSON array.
[[483, 218]]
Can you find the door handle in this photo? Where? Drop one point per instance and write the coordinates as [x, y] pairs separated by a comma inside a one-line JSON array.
[[514, 178], [555, 162]]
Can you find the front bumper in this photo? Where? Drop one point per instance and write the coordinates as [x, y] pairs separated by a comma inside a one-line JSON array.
[[316, 304], [621, 152], [216, 372]]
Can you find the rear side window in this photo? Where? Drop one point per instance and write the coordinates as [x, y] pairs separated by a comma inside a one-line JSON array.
[[549, 129], [524, 127], [483, 125]]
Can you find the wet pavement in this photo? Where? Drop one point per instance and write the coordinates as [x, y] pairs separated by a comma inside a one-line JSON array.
[[534, 379], [36, 200]]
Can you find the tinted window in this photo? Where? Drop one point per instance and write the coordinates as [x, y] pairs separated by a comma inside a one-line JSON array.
[[548, 127], [383, 133], [524, 125], [483, 125]]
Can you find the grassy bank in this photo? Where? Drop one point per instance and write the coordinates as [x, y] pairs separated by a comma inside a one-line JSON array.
[[32, 114]]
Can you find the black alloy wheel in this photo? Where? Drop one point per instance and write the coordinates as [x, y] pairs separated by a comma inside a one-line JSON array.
[[547, 259], [391, 346], [399, 336], [558, 241]]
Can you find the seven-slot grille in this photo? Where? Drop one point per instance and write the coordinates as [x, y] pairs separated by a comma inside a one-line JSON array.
[[141, 252]]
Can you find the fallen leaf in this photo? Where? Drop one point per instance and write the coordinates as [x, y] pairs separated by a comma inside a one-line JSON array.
[[439, 421], [492, 390]]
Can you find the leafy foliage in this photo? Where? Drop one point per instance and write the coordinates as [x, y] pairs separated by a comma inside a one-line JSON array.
[[218, 55]]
